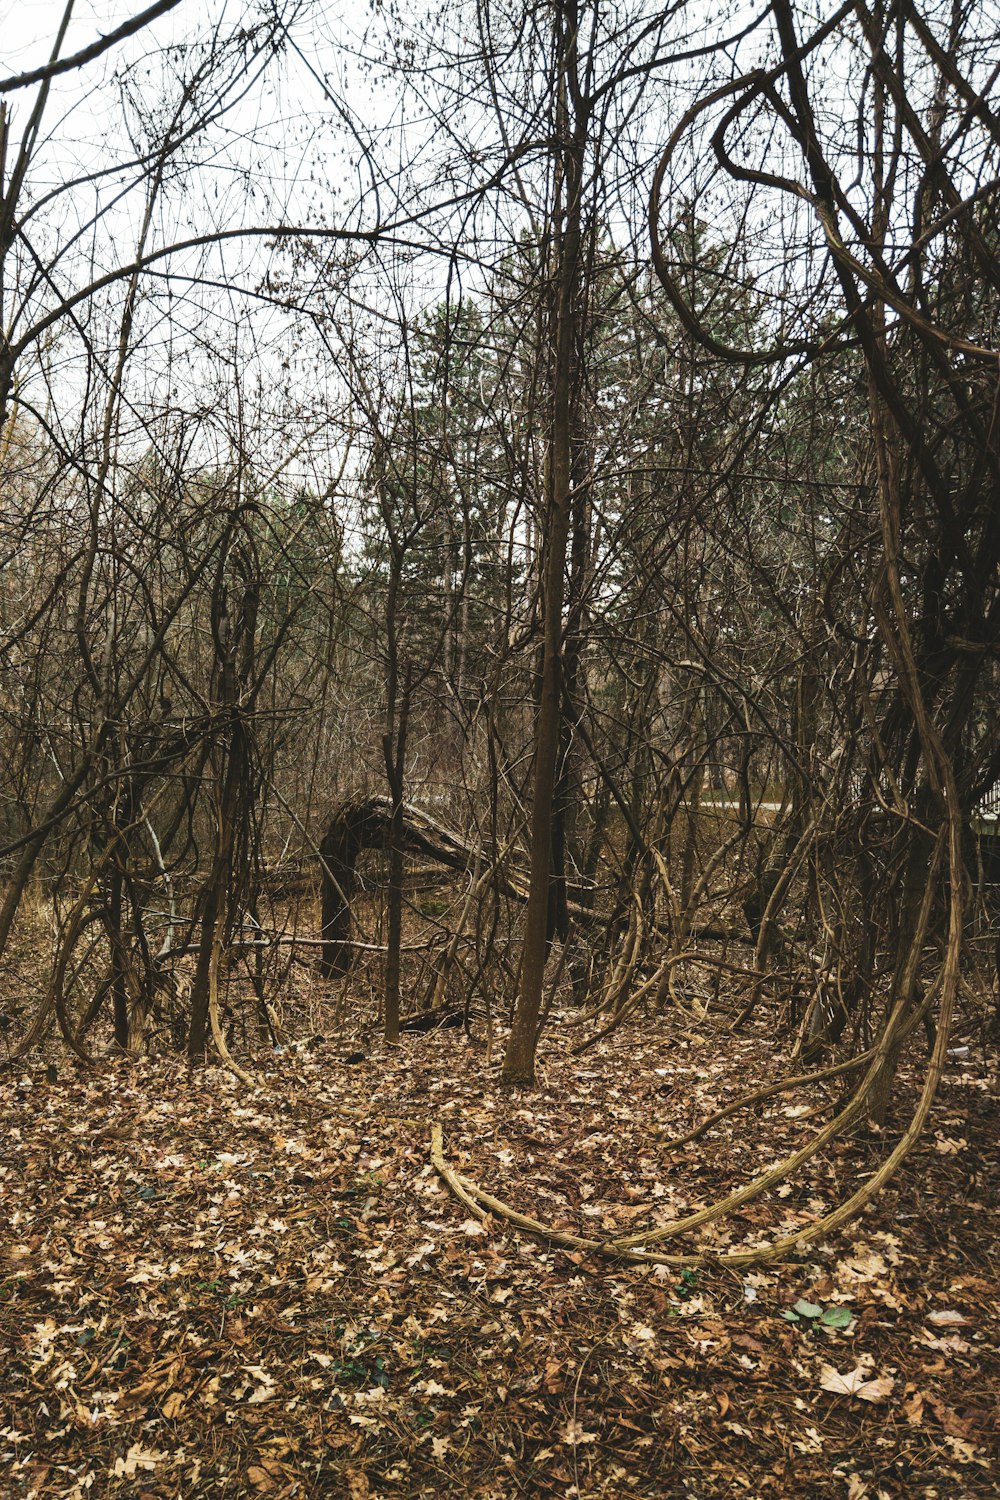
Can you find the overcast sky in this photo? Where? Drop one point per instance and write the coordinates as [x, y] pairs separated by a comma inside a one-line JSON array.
[[28, 27], [320, 139]]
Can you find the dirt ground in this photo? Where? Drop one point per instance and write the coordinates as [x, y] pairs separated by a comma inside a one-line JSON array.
[[209, 1289]]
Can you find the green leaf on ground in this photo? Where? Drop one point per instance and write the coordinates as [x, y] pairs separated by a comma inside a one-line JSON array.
[[808, 1309]]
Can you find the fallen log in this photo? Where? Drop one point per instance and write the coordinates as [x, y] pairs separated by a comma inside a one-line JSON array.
[[357, 826]]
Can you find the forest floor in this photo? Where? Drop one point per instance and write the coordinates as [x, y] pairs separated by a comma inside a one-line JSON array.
[[208, 1289]]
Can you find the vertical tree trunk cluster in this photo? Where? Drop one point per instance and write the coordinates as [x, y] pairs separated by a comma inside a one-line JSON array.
[[571, 139]]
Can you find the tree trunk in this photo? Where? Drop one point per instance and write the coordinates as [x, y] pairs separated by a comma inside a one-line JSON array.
[[394, 749], [519, 1059]]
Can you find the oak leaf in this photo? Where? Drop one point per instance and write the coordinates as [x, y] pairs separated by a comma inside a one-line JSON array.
[[856, 1383]]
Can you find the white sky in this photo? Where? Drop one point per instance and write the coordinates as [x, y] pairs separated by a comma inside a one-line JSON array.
[[201, 348], [284, 155], [29, 27]]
